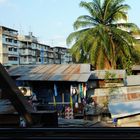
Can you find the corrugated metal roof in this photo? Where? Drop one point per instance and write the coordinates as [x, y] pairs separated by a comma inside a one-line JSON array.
[[101, 74], [136, 67], [133, 80], [52, 72], [127, 104], [20, 70], [124, 109]]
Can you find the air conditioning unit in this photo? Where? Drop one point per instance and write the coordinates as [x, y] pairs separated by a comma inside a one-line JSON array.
[[26, 91]]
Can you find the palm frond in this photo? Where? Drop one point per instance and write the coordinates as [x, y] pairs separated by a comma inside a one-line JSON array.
[[101, 38]]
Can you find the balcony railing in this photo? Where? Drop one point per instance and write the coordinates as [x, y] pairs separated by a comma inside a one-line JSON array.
[[10, 33]]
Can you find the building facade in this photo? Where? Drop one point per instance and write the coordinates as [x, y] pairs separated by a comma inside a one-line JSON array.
[[33, 52], [62, 55], [9, 44], [18, 49]]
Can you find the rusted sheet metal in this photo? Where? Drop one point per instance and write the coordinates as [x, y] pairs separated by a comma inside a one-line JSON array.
[[125, 104], [37, 69], [54, 72], [119, 94], [124, 109], [55, 77], [19, 70], [123, 101], [85, 68], [133, 80], [136, 67]]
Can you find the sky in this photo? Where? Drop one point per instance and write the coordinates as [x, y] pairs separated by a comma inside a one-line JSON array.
[[51, 21]]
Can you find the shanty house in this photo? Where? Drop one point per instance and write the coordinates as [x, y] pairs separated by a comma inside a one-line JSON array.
[[54, 85]]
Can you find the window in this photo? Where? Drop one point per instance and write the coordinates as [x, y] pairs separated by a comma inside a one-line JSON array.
[[12, 58], [10, 49], [15, 49], [9, 40], [15, 41]]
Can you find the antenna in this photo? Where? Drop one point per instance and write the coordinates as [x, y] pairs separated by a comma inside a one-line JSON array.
[[52, 42]]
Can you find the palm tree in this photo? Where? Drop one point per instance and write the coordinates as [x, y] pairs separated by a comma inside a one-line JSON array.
[[101, 38]]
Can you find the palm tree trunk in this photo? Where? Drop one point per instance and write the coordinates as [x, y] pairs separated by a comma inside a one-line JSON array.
[[113, 61]]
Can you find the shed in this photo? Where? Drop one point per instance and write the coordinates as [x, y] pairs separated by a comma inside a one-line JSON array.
[[54, 83]]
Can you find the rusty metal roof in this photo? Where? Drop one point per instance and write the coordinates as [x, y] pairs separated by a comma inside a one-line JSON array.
[[52, 72]]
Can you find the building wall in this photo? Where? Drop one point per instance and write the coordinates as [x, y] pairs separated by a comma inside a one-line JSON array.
[[25, 49], [8, 46], [1, 48], [63, 56]]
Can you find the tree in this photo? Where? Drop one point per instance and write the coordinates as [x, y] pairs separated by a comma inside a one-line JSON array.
[[101, 38]]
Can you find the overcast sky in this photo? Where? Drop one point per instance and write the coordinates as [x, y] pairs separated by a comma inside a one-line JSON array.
[[50, 20]]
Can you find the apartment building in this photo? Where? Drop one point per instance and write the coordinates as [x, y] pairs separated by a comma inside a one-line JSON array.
[[27, 49], [18, 49], [9, 46], [33, 52], [62, 55]]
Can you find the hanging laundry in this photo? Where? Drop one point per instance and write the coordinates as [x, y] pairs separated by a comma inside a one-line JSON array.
[[79, 99], [84, 89], [81, 90], [73, 90], [71, 101], [76, 105], [71, 87], [55, 90], [54, 101]]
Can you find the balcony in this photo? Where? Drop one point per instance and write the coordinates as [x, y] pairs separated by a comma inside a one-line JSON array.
[[13, 53], [8, 33], [13, 62], [23, 46]]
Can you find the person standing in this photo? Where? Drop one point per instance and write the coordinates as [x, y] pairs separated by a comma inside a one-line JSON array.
[[34, 100], [115, 122]]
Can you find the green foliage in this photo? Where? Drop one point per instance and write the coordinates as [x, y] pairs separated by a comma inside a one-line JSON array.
[[100, 38], [109, 75], [128, 66]]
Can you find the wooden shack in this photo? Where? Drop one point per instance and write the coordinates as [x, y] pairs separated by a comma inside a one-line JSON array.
[[55, 86]]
